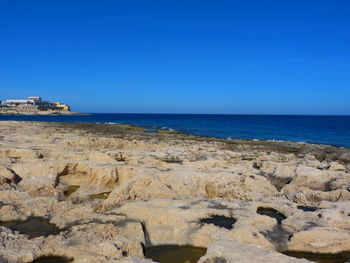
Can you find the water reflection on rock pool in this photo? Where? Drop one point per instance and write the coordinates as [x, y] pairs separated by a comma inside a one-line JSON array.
[[33, 227], [53, 259], [175, 254]]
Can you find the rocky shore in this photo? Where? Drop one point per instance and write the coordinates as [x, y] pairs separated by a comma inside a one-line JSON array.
[[12, 112], [73, 192]]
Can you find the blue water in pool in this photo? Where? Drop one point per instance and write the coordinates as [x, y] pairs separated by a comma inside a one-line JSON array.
[[328, 130]]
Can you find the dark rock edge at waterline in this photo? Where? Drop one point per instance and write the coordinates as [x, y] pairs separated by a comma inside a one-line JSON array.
[[130, 132]]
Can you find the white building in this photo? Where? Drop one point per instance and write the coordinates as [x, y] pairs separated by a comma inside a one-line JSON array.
[[17, 102], [30, 101], [35, 103]]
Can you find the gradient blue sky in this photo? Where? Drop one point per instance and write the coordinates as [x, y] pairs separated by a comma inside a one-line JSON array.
[[183, 56]]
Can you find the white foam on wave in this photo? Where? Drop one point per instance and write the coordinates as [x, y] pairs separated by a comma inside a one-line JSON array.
[[113, 123], [167, 129], [273, 140]]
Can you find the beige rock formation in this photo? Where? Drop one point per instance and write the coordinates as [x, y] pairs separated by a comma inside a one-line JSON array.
[[236, 252], [113, 190]]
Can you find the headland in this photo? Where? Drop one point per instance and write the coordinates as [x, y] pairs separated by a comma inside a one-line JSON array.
[[34, 106]]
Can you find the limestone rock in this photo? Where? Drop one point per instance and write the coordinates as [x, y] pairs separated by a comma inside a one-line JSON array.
[[235, 252], [320, 240], [5, 183], [334, 166], [311, 177], [168, 188]]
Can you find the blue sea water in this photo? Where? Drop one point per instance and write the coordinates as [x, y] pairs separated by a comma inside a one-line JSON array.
[[327, 130]]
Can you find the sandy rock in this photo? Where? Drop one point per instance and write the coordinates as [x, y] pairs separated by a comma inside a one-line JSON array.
[[125, 173], [92, 178], [9, 174], [311, 178], [22, 154], [10, 213], [251, 235], [176, 222], [5, 183], [13, 197], [320, 240], [337, 167], [141, 187], [336, 218], [135, 260], [184, 185], [162, 188], [236, 252], [279, 174], [339, 183], [85, 243], [179, 222], [335, 214], [17, 248], [305, 196], [40, 187], [100, 157], [243, 187], [283, 170]]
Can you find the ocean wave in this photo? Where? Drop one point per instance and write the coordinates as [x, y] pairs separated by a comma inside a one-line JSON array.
[[167, 129], [112, 123], [300, 142], [273, 140]]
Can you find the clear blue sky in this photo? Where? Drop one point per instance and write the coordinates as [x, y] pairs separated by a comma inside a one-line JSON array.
[[183, 56]]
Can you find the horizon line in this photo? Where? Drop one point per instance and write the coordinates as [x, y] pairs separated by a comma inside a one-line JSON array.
[[243, 114]]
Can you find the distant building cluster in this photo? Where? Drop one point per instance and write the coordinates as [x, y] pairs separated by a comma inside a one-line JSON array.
[[34, 104]]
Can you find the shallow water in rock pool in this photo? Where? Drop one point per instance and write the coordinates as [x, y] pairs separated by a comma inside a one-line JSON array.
[[33, 227], [267, 211], [220, 221], [175, 254], [307, 208], [52, 259]]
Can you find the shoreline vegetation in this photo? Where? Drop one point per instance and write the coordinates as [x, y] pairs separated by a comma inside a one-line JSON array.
[[145, 195]]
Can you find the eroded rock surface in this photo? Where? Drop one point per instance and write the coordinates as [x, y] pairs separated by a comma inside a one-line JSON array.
[[236, 252], [113, 190]]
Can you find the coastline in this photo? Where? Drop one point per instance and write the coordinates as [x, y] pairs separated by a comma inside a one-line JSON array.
[[43, 113], [129, 190], [313, 130], [142, 133]]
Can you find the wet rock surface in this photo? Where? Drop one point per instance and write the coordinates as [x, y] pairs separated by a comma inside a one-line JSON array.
[[112, 193]]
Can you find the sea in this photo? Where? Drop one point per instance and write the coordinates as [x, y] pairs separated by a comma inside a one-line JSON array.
[[324, 130]]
